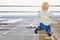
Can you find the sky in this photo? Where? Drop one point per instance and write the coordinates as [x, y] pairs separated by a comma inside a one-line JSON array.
[[29, 3]]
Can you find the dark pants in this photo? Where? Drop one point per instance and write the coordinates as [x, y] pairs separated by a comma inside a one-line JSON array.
[[44, 27]]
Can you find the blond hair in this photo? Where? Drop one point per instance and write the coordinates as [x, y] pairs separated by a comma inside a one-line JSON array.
[[45, 5]]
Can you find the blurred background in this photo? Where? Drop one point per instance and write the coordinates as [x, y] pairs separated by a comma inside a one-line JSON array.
[[19, 18]]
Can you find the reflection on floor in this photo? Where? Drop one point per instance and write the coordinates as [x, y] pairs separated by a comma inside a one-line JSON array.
[[19, 30]]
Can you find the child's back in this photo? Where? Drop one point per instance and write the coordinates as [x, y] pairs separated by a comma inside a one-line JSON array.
[[44, 19]]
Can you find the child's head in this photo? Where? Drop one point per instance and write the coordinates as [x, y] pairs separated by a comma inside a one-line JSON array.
[[45, 6]]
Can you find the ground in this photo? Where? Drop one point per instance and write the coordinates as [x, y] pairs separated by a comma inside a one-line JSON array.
[[19, 31]]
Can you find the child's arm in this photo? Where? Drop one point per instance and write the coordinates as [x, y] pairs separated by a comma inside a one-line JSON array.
[[50, 14], [39, 14]]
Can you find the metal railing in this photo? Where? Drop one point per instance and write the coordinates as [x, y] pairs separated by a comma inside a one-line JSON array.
[[25, 11], [26, 6]]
